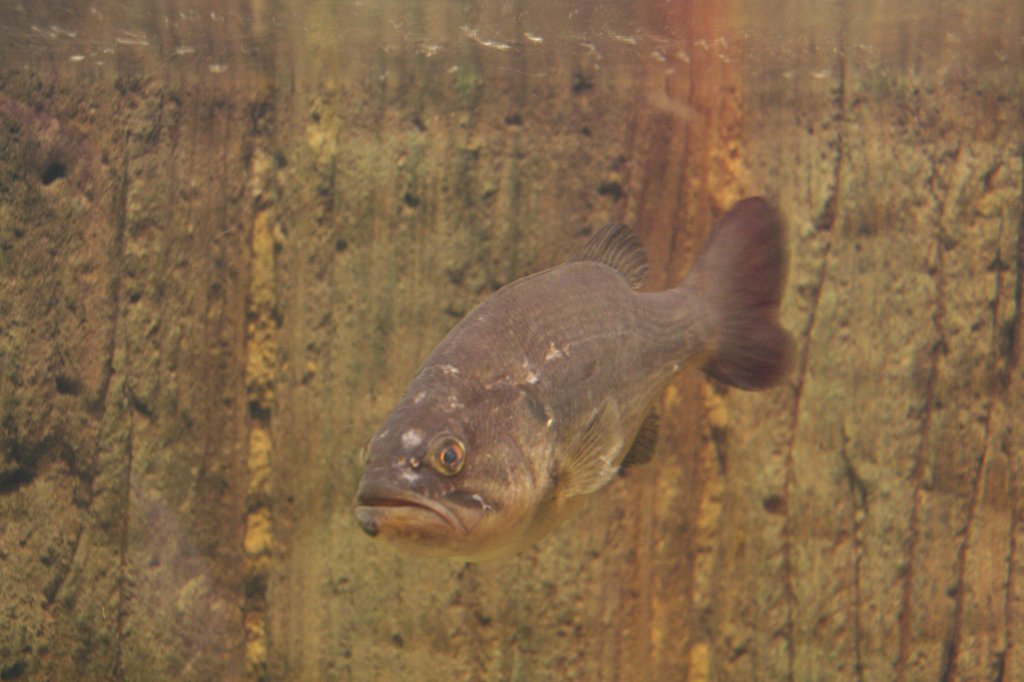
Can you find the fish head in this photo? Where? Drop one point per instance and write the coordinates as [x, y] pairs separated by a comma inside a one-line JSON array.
[[455, 471]]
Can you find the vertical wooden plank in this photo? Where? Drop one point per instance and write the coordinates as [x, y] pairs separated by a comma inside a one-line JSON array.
[[892, 453], [142, 115]]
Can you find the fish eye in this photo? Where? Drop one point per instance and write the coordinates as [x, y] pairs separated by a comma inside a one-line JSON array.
[[449, 456]]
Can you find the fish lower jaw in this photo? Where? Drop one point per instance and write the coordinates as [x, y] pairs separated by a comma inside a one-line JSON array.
[[405, 519], [421, 532]]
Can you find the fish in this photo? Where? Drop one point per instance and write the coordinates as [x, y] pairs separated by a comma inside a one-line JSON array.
[[546, 390]]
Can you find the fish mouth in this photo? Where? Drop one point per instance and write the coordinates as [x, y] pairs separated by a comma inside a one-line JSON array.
[[378, 506]]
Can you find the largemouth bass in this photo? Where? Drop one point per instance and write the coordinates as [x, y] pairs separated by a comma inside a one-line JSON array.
[[543, 392]]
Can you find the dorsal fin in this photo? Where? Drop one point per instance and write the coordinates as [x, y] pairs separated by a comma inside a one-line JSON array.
[[616, 246]]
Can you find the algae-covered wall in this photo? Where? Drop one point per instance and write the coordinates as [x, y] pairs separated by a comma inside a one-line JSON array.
[[229, 233]]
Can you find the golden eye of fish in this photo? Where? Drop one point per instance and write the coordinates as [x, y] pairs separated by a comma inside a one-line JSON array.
[[449, 456]]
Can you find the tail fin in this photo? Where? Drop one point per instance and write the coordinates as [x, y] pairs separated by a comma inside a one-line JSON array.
[[741, 272]]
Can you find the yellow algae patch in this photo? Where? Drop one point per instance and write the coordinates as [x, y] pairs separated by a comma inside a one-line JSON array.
[[257, 532], [699, 662], [256, 641], [258, 461], [715, 408]]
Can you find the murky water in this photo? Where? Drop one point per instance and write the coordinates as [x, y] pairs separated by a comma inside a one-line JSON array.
[[231, 231]]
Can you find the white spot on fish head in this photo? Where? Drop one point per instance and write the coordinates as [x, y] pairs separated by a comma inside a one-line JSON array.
[[454, 403], [409, 476], [529, 376], [381, 434], [412, 438], [450, 370], [554, 352], [549, 422], [419, 397]]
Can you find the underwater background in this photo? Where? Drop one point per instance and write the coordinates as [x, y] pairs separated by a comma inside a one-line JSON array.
[[230, 231]]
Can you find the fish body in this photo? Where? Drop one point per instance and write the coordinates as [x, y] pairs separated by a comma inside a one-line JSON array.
[[544, 391]]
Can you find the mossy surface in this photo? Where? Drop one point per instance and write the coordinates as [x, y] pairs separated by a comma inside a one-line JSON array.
[[229, 236]]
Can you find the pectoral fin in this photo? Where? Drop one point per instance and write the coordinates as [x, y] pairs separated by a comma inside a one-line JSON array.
[[590, 460]]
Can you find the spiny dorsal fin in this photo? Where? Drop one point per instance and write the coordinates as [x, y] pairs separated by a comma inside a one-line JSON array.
[[616, 246], [643, 445]]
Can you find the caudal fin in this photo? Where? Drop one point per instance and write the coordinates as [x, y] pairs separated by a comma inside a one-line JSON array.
[[741, 271]]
